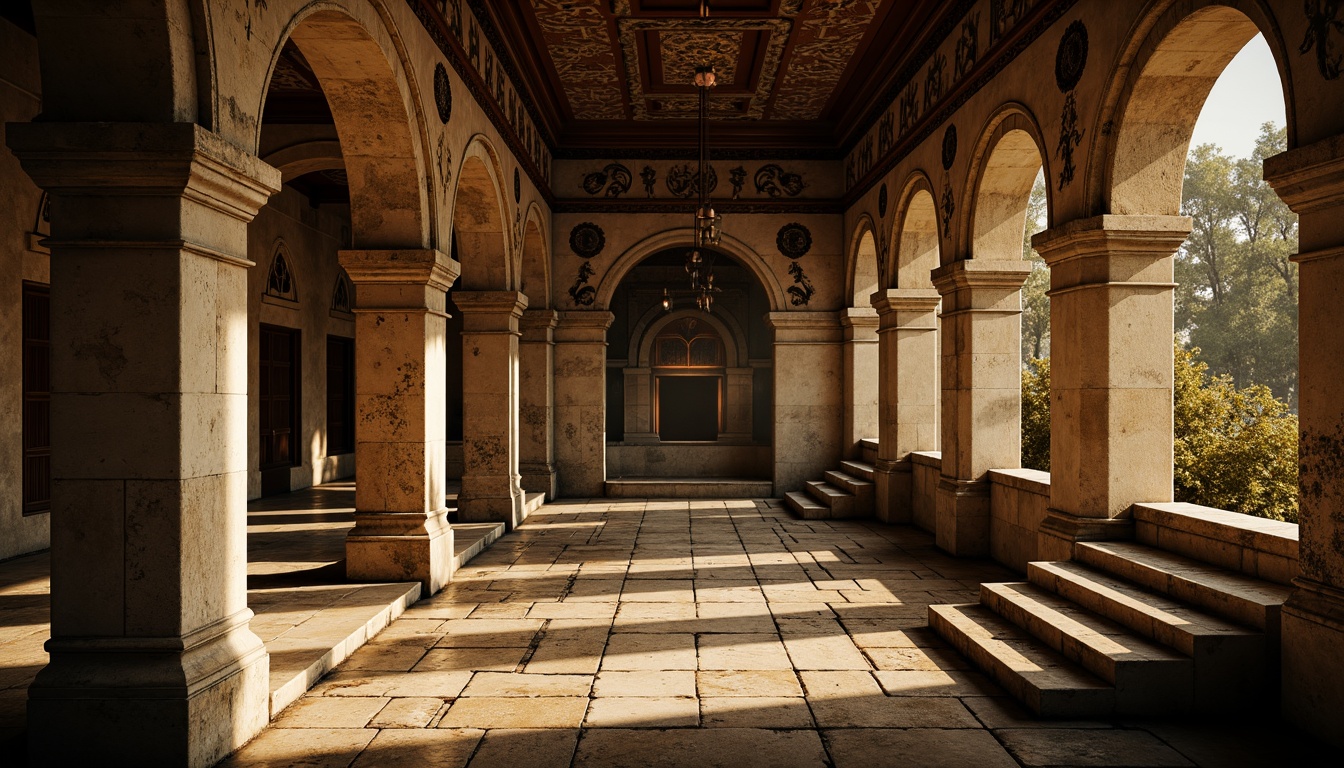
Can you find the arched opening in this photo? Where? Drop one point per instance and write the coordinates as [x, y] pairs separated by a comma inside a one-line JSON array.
[[535, 275], [688, 392], [334, 120], [860, 350], [1206, 110], [917, 251]]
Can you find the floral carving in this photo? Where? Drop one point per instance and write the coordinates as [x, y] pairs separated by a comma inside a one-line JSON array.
[[800, 293], [775, 181], [581, 292], [684, 182], [1322, 19], [615, 179]]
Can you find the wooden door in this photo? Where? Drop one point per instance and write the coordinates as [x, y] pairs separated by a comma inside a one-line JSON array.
[[279, 406]]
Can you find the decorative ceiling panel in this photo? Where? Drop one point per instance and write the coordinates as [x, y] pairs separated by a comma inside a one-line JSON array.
[[576, 36], [824, 39]]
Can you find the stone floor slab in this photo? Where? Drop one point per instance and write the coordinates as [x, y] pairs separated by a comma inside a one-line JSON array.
[[917, 748], [703, 748], [1050, 747]]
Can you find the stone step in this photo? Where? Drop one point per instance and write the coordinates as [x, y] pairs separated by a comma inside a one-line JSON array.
[[1224, 593], [805, 506], [532, 501], [859, 469], [1044, 681], [840, 503], [1233, 666], [860, 489], [1148, 678], [868, 450], [689, 488]]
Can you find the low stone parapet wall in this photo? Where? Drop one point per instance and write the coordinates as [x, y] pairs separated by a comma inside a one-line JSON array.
[[1255, 546], [1018, 499]]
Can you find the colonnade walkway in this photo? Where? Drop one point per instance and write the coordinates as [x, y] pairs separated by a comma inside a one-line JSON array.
[[708, 633]]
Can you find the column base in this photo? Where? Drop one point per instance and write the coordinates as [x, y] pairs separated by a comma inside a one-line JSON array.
[[893, 490], [962, 517], [476, 505], [201, 696], [401, 546], [1060, 530], [538, 478], [1312, 636]]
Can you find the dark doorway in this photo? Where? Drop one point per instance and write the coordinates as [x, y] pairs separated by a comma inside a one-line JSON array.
[[688, 408], [279, 404], [340, 395], [36, 398]]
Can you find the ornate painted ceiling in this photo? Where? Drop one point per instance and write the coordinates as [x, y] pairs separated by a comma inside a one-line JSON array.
[[792, 73]]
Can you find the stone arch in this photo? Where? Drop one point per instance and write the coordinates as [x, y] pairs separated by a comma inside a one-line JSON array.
[[306, 157], [162, 54], [480, 221], [864, 275], [1166, 73], [1008, 157], [379, 142], [916, 249], [673, 238], [535, 271]]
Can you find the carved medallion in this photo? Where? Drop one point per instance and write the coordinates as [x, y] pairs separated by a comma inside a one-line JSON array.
[[882, 201], [1071, 58], [443, 93], [949, 147], [794, 240], [517, 186], [587, 239]]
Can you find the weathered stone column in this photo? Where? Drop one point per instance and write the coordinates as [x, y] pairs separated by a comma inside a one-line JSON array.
[[149, 616], [737, 404], [491, 485], [580, 402], [907, 392], [1311, 181], [809, 396], [536, 402], [1111, 373], [861, 364], [982, 393], [401, 528]]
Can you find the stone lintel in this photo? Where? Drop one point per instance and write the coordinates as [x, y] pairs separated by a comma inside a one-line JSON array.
[[1309, 178]]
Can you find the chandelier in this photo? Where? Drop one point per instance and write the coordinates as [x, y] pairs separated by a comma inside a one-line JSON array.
[[700, 259]]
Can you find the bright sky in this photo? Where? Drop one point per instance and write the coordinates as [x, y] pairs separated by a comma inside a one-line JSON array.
[[1247, 94]]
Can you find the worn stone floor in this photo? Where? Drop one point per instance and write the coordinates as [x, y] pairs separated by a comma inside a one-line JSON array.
[[707, 633]]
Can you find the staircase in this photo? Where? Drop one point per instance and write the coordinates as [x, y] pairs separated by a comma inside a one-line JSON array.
[[1124, 629], [845, 492]]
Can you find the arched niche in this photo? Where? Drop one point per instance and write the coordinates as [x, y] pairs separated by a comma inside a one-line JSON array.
[[535, 275], [1008, 158], [917, 249], [864, 275], [480, 222]]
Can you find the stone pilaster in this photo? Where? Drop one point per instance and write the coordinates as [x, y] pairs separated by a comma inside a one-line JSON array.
[[491, 486], [809, 396], [907, 392], [536, 402], [580, 402], [861, 355], [1311, 181], [639, 405], [149, 616], [1110, 373], [401, 528], [737, 405], [981, 393]]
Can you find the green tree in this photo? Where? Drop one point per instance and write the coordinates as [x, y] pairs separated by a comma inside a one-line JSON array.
[[1035, 302], [1235, 449], [1036, 415], [1236, 296]]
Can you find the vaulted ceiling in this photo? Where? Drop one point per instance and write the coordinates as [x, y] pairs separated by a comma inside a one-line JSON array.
[[793, 74]]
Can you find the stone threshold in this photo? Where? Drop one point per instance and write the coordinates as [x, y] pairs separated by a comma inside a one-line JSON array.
[[688, 488]]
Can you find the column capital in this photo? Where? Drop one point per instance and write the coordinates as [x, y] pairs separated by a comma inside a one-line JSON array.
[[490, 302], [1007, 274], [1148, 237], [1309, 178], [93, 159], [412, 266], [859, 323], [538, 319], [907, 309], [583, 325], [806, 327]]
